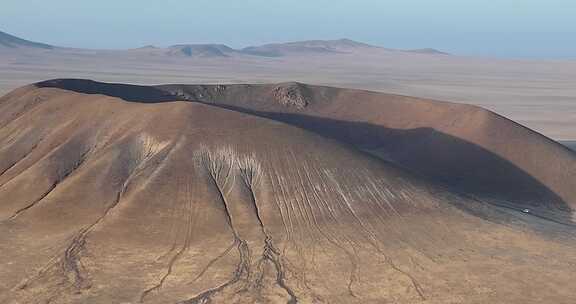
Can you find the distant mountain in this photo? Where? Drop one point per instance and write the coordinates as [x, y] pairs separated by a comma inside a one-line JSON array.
[[201, 50], [427, 51], [270, 50], [148, 47], [9, 41], [306, 47]]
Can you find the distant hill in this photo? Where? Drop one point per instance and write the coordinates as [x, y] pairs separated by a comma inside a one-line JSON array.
[[147, 47], [427, 51], [306, 47], [201, 50], [9, 41]]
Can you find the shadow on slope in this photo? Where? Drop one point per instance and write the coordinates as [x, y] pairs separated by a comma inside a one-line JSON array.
[[440, 157], [569, 144], [134, 93]]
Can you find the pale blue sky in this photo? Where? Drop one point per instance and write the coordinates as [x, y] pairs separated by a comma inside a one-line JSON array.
[[508, 28]]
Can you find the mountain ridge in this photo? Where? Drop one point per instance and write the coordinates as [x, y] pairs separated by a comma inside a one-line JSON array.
[[213, 50], [10, 41]]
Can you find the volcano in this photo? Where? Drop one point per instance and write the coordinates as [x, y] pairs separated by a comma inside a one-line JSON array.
[[276, 193]]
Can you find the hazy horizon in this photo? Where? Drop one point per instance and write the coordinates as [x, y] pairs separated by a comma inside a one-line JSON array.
[[513, 28]]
